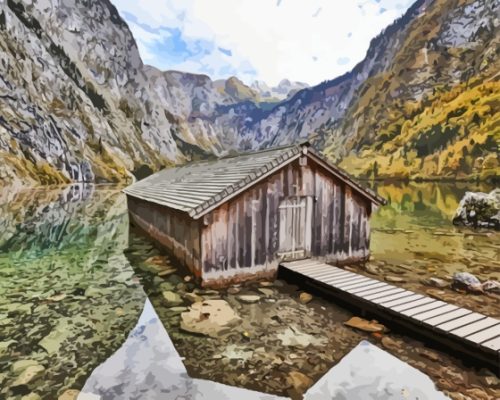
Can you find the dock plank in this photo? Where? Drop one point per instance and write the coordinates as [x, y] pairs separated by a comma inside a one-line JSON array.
[[487, 334], [426, 307], [442, 310], [493, 344], [370, 287], [412, 304], [453, 316], [478, 326]]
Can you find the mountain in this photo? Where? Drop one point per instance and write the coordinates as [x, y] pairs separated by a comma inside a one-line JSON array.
[[422, 104], [284, 90], [78, 103]]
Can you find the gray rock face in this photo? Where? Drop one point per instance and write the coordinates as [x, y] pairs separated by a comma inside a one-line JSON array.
[[478, 209]]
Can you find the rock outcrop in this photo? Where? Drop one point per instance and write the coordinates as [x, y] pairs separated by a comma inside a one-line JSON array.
[[479, 210]]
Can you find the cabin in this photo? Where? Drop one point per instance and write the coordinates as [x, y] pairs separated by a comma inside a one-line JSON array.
[[237, 218]]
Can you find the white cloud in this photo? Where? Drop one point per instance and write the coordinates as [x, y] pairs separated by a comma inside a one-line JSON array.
[[268, 40]]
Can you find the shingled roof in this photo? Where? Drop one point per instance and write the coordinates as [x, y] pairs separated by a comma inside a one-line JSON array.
[[199, 187]]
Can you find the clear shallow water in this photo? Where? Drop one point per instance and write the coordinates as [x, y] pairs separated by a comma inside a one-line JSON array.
[[69, 296]]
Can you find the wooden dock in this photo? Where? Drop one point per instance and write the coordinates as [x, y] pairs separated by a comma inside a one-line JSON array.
[[474, 334]]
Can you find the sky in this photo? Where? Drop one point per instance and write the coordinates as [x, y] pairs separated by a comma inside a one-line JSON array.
[[302, 40]]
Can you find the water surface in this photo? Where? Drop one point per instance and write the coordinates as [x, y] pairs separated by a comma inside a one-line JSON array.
[[69, 296]]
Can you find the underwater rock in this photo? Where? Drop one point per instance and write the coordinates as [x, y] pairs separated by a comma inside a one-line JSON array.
[[305, 297], [364, 325], [28, 375], [436, 282], [248, 298], [394, 279], [211, 318], [172, 299], [477, 209], [299, 381]]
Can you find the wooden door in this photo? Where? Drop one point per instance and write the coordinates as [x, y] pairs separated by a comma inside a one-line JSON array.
[[295, 227]]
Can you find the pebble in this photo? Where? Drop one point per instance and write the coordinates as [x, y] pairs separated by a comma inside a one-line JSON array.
[[436, 282], [171, 298], [248, 298], [364, 325], [299, 381], [390, 344], [429, 354], [372, 269], [266, 292], [266, 284], [192, 297], [233, 290], [394, 279], [305, 297]]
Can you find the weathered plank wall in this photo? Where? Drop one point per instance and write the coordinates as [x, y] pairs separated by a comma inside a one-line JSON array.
[[172, 229], [241, 238]]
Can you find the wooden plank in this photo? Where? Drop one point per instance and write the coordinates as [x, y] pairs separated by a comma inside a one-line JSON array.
[[493, 344], [487, 334], [444, 309], [454, 315], [356, 280], [291, 264], [463, 321], [374, 285], [366, 281], [343, 279], [339, 276], [474, 327], [389, 291], [303, 266], [392, 297], [412, 304], [326, 273], [424, 308], [381, 288], [305, 269]]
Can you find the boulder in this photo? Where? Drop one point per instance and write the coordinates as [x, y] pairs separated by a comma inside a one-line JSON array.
[[466, 281], [211, 318], [477, 209]]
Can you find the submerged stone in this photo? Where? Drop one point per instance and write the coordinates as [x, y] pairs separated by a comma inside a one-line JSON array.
[[248, 298], [211, 318], [365, 325], [30, 374], [171, 298]]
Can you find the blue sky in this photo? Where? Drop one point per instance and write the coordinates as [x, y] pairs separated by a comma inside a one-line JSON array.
[[302, 40]]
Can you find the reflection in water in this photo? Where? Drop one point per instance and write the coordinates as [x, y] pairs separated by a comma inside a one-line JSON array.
[[415, 229], [67, 293]]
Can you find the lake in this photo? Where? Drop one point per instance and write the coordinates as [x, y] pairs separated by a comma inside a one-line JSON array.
[[70, 292]]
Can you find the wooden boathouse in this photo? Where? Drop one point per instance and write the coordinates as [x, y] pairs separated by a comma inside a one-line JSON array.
[[238, 217]]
